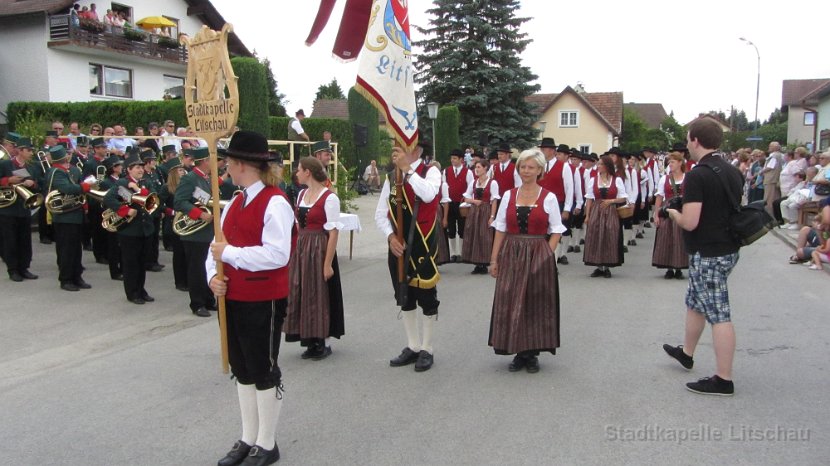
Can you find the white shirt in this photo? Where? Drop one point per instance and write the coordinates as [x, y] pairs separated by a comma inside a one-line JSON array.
[[276, 237], [772, 161], [578, 197], [494, 189], [549, 203], [120, 144], [370, 171], [425, 188], [470, 179], [167, 140], [297, 126], [631, 185], [331, 207], [619, 183]]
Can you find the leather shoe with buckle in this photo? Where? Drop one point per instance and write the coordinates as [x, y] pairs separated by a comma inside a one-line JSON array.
[[80, 283], [424, 361], [237, 454], [259, 456], [69, 286], [15, 277], [406, 358], [202, 312], [577, 249], [28, 275], [570, 249]]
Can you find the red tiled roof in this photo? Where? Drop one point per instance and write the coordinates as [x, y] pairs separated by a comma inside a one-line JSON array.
[[651, 114], [608, 106], [793, 91], [335, 108]]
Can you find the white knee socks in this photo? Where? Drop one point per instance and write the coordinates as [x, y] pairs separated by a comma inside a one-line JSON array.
[[268, 409], [248, 407], [410, 324], [428, 322]]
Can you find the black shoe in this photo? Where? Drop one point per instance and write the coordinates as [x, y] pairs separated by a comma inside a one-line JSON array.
[[577, 249], [28, 275], [119, 277], [45, 241], [69, 287], [169, 249], [182, 288], [202, 312], [532, 365], [424, 361], [137, 301], [259, 456], [15, 277], [406, 357], [677, 353], [625, 249], [309, 352], [82, 284], [102, 261], [647, 225], [455, 258], [148, 298], [237, 454], [632, 242], [211, 307], [518, 363], [570, 249], [582, 241], [669, 274], [712, 386], [597, 273], [678, 274], [562, 260], [607, 273], [154, 268]]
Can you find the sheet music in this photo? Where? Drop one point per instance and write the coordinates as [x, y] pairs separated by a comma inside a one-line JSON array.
[[201, 195]]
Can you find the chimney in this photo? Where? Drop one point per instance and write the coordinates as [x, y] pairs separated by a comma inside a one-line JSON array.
[[580, 89]]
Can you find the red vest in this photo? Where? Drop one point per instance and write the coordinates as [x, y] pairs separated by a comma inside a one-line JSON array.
[[243, 227], [427, 211], [485, 191], [553, 182], [689, 165], [537, 221], [315, 218], [504, 178], [667, 188], [612, 190], [456, 185]]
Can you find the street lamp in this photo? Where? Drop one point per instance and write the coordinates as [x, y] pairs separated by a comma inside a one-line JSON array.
[[542, 126], [758, 85], [432, 110]]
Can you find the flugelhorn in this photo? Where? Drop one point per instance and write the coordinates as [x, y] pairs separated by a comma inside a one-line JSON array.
[[9, 196], [112, 222], [183, 225]]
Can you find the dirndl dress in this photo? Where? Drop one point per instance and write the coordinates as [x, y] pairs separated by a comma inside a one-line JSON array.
[[443, 252], [478, 235], [525, 313], [603, 234], [315, 305]]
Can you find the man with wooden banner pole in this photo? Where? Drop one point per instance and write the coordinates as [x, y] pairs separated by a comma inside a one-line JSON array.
[[248, 259]]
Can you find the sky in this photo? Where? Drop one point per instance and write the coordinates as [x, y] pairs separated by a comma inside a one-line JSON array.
[[691, 61]]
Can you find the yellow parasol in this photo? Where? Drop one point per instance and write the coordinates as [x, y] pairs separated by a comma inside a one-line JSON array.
[[153, 22]]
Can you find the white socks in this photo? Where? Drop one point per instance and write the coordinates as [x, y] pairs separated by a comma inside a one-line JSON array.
[[455, 246], [428, 322], [248, 407], [268, 409], [410, 324]]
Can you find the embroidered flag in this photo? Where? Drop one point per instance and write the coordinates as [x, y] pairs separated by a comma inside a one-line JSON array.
[[385, 74]]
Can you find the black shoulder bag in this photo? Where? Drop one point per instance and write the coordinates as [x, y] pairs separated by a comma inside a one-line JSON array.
[[747, 223]]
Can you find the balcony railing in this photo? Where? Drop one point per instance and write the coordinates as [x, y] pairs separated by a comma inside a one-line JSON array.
[[132, 42]]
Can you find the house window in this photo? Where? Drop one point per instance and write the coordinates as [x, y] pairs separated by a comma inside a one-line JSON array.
[[173, 87], [568, 119], [585, 148], [809, 119], [171, 32], [110, 81]]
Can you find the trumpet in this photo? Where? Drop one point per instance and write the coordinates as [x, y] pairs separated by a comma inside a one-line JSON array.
[[9, 196], [43, 158], [183, 225]]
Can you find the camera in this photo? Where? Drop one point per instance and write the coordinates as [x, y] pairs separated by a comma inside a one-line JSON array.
[[675, 203]]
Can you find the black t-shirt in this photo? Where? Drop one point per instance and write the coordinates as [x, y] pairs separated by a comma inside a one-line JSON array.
[[711, 237]]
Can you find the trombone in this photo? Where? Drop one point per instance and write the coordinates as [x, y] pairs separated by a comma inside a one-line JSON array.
[[43, 158]]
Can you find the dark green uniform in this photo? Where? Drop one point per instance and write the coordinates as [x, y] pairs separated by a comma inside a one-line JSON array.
[[66, 179], [195, 245], [15, 225], [152, 180]]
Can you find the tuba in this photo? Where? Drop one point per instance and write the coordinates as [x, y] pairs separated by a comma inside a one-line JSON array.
[[59, 203], [9, 196], [183, 225]]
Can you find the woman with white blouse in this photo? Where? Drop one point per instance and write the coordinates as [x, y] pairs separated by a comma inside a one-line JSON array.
[[483, 197], [669, 250], [603, 234]]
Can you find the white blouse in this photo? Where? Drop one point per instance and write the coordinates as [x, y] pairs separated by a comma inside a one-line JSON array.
[[332, 208], [619, 183], [661, 186], [550, 204], [494, 189]]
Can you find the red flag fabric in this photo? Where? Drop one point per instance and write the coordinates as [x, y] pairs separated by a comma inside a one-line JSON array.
[[323, 14], [353, 27]]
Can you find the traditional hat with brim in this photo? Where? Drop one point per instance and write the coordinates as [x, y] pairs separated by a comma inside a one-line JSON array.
[[248, 145], [649, 149], [614, 151], [168, 148], [172, 164], [456, 153], [548, 142], [563, 148], [58, 153], [197, 153], [24, 143], [133, 159], [82, 141], [679, 147], [98, 142], [576, 152], [112, 161], [148, 154], [11, 138], [320, 146], [504, 147]]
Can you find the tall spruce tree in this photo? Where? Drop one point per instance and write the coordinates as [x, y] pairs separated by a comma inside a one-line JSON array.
[[471, 60]]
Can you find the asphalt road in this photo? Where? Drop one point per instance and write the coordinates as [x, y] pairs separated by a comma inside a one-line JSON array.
[[90, 379]]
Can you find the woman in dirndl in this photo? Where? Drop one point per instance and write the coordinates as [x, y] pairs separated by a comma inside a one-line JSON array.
[[315, 301], [525, 315], [483, 198], [603, 234], [669, 250]]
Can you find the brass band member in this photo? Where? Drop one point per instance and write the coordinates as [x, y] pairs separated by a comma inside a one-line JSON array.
[[152, 179], [257, 225], [114, 168], [16, 220], [175, 171]]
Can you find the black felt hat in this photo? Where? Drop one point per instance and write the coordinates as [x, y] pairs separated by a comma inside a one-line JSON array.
[[563, 148], [679, 147], [456, 153], [548, 142], [504, 147], [248, 145]]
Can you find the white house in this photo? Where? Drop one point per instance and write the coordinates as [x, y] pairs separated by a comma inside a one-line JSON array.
[[47, 55]]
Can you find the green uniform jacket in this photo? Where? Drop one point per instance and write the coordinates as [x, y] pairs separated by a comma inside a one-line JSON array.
[[185, 202], [142, 224], [91, 167], [66, 182], [7, 168], [153, 182]]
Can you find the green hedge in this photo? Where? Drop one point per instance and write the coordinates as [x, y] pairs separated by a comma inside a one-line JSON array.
[[253, 94], [106, 113], [446, 133]]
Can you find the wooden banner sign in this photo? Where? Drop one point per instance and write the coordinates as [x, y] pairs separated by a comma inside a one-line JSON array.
[[212, 107]]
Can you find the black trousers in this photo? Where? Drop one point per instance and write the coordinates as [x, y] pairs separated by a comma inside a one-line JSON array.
[[167, 234], [776, 209], [254, 334], [426, 298], [179, 261], [113, 254], [69, 250], [44, 230], [16, 244], [200, 295], [455, 223], [99, 235], [132, 265], [152, 247]]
